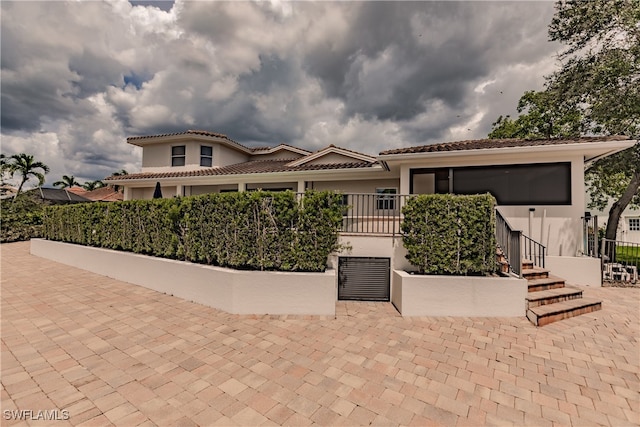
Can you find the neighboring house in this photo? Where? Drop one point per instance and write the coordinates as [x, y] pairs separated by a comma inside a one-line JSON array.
[[539, 184], [57, 196], [628, 226], [104, 194]]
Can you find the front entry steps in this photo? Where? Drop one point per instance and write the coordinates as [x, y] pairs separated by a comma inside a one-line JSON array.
[[549, 300]]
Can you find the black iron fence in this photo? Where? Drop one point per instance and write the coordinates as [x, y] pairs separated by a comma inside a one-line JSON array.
[[372, 213], [533, 251], [620, 261], [509, 242]]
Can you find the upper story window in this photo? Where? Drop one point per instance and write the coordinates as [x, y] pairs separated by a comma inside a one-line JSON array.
[[206, 155], [178, 155], [634, 224], [385, 198]]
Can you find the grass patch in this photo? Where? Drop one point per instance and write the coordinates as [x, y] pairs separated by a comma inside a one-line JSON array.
[[629, 255]]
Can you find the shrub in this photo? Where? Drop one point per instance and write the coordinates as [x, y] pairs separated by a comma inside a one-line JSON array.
[[21, 219], [450, 234], [249, 230]]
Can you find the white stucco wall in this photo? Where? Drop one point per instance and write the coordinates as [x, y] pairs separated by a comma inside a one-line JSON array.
[[416, 295], [562, 230], [157, 157], [576, 270], [357, 186], [224, 156], [233, 291], [146, 193]]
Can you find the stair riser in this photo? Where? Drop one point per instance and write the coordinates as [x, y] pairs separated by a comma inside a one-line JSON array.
[[546, 286], [552, 300], [533, 276], [527, 265], [545, 320]]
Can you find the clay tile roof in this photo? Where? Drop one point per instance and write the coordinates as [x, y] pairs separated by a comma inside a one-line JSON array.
[[254, 166], [188, 132], [104, 194], [479, 144], [77, 190]]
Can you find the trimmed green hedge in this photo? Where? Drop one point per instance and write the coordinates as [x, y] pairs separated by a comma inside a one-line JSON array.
[[20, 219], [249, 230], [450, 234]]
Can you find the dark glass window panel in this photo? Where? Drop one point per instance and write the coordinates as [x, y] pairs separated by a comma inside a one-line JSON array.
[[177, 161], [537, 184]]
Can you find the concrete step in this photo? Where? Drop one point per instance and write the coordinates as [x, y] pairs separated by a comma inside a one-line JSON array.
[[552, 296], [535, 273], [526, 264], [545, 314], [545, 283]]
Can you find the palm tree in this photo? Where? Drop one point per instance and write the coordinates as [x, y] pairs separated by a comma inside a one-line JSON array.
[[5, 167], [67, 181], [25, 165], [92, 185], [121, 172]]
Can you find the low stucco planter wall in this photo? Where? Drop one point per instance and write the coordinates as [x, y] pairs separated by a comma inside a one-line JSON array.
[[575, 270], [417, 295], [234, 291]]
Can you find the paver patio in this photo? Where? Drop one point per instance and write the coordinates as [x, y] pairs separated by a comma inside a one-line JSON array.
[[113, 353]]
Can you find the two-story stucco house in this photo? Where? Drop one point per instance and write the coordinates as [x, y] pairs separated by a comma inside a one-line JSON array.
[[538, 184]]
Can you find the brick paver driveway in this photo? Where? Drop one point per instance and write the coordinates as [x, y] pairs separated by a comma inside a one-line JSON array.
[[98, 351]]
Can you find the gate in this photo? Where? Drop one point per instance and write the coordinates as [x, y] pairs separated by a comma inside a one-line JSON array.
[[364, 278], [620, 262]]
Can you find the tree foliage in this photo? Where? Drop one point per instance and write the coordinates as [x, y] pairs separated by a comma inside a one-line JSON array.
[[601, 74], [92, 185], [21, 217], [66, 182], [601, 64], [26, 166], [542, 116], [596, 91]]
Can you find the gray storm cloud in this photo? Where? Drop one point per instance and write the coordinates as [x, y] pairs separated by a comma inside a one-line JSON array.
[[365, 75]]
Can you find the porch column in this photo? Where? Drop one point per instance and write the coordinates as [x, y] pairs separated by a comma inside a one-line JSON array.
[[179, 190], [301, 186], [405, 179], [242, 186], [126, 195]]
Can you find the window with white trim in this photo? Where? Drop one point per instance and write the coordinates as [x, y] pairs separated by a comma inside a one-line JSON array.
[[178, 155], [634, 224], [206, 155], [385, 198]]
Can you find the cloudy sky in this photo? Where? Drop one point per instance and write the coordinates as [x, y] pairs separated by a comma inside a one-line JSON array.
[[79, 77]]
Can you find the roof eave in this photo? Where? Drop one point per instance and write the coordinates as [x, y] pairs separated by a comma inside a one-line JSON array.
[[597, 148], [188, 137], [253, 176]]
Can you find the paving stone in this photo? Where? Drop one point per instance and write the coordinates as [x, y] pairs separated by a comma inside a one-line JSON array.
[[115, 353]]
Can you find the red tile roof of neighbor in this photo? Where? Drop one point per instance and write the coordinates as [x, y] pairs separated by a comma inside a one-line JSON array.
[[479, 144], [76, 190], [255, 166], [104, 194]]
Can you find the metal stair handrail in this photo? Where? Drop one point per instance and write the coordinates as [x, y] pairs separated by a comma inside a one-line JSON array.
[[509, 241], [517, 246]]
